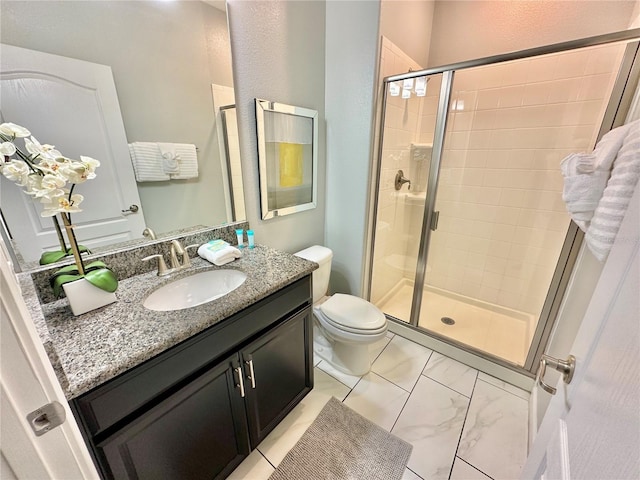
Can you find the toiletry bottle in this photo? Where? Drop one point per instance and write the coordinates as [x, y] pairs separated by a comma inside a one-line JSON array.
[[239, 234], [250, 238]]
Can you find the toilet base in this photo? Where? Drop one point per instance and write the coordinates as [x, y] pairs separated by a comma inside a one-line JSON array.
[[345, 357]]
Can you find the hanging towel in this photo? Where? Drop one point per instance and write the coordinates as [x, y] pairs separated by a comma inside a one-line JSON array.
[[187, 161], [147, 162], [170, 158], [617, 194], [586, 174]]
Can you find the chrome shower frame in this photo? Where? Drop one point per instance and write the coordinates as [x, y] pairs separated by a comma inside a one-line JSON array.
[[621, 97]]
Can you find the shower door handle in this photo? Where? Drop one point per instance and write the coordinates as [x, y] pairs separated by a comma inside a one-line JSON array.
[[434, 220]]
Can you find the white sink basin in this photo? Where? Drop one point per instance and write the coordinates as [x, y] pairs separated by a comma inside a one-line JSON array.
[[194, 290]]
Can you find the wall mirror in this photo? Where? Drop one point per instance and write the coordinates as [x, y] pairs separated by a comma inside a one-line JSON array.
[[171, 66], [288, 158]]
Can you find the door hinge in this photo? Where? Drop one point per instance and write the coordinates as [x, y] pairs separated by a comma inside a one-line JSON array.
[[46, 418]]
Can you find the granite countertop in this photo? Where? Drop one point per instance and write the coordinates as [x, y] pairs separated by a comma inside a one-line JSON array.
[[92, 348]]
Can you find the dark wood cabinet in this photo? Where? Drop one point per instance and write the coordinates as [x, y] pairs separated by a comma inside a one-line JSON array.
[[199, 432], [206, 423], [282, 369]]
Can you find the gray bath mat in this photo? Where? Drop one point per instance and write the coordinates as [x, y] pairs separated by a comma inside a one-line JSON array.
[[341, 444]]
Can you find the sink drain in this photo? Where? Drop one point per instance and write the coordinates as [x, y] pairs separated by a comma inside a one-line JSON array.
[[448, 320]]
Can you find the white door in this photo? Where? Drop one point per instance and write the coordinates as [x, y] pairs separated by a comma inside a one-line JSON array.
[[592, 426], [73, 105], [27, 382]]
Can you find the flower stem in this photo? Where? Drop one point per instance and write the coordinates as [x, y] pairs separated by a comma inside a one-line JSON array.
[[72, 241], [56, 224]]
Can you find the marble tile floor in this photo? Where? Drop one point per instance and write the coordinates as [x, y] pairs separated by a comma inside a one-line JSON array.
[[486, 330], [463, 424]]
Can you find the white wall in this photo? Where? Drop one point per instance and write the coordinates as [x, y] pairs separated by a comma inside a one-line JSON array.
[[468, 29], [408, 25], [351, 59], [164, 58], [278, 50]]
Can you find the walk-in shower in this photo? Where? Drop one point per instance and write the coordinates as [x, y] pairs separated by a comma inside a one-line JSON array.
[[473, 244]]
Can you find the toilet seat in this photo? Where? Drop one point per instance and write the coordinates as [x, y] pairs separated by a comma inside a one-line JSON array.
[[353, 314]]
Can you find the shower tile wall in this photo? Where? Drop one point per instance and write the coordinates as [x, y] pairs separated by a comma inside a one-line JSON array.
[[502, 218]]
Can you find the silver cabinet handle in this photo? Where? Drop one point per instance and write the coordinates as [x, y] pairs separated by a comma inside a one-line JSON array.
[[252, 375], [566, 367], [238, 370]]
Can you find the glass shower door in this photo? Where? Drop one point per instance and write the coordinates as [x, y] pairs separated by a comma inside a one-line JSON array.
[[406, 149], [474, 251], [502, 221]]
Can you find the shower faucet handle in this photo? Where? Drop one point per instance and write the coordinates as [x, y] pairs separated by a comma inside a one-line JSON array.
[[401, 180]]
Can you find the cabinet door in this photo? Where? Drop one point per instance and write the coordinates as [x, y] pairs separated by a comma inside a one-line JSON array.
[[198, 432], [278, 371]]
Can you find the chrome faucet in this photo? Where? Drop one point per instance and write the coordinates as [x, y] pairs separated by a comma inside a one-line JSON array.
[[176, 249], [147, 232], [401, 180]]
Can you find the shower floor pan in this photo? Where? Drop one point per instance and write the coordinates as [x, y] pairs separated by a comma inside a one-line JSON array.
[[490, 328]]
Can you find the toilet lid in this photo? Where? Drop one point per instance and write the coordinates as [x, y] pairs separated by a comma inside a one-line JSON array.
[[353, 312]]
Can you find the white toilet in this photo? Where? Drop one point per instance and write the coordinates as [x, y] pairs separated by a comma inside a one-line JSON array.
[[344, 325]]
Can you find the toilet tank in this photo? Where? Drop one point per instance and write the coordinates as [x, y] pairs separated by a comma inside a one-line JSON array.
[[322, 256]]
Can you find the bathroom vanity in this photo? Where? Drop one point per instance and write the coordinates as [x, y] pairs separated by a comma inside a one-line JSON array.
[[187, 393]]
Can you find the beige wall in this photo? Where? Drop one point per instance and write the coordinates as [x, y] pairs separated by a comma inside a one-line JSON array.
[[164, 58], [468, 29], [278, 54], [408, 24]]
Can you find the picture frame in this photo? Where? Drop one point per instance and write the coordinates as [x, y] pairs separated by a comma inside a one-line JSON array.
[[287, 158]]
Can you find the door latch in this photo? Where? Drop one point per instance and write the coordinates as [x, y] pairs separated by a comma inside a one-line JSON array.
[[46, 418], [434, 220], [566, 367]]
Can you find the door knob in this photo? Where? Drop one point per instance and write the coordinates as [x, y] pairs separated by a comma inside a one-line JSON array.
[[132, 209], [566, 367]]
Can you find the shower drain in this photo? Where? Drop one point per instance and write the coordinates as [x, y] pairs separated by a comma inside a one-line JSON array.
[[448, 320]]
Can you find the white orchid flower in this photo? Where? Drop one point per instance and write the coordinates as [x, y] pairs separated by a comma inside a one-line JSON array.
[[62, 204], [7, 149], [90, 163], [53, 165], [47, 186], [79, 172], [15, 170], [34, 147], [13, 130]]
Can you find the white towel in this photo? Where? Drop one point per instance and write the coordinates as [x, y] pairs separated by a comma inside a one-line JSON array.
[[219, 257], [586, 175], [147, 162], [613, 205], [187, 159], [170, 158]]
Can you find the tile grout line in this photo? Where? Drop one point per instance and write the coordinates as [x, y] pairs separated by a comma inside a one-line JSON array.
[[464, 422], [420, 477], [474, 467], [407, 401], [447, 386], [265, 457]]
